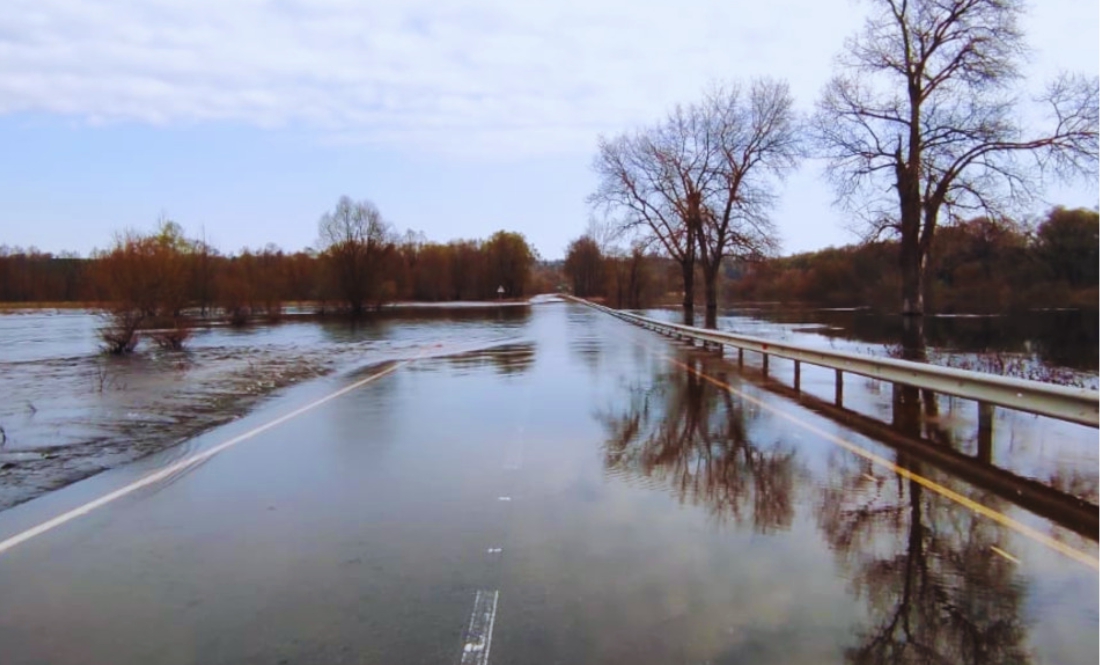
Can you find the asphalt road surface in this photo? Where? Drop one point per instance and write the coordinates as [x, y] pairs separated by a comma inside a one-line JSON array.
[[588, 492]]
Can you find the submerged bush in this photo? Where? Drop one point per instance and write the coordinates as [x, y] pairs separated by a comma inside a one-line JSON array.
[[174, 337], [119, 333]]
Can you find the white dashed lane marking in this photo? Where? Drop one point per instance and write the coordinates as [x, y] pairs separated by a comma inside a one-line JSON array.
[[479, 634]]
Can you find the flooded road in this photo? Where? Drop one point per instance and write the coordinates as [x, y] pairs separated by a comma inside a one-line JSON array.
[[576, 490]]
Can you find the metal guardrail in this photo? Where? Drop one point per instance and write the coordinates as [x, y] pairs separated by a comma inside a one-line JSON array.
[[1076, 405]]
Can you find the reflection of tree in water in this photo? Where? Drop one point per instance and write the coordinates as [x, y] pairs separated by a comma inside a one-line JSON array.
[[934, 590], [585, 338], [693, 435]]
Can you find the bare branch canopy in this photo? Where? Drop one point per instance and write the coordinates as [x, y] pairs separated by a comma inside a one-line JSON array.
[[923, 121]]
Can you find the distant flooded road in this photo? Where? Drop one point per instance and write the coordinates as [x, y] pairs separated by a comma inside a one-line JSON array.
[[562, 487]]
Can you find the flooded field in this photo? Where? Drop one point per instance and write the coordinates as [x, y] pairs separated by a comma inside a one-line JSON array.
[[70, 410]]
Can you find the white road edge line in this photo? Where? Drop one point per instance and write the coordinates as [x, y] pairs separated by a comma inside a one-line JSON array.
[[184, 463], [1004, 554], [479, 635]]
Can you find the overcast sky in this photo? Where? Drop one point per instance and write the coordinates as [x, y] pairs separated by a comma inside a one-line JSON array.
[[247, 119]]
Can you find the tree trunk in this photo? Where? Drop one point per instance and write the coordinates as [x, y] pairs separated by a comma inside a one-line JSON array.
[[910, 252], [687, 268], [710, 286], [910, 200], [912, 278]]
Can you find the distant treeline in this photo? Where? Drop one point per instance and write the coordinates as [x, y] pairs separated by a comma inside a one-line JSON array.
[[264, 278], [156, 284], [166, 269], [978, 266]]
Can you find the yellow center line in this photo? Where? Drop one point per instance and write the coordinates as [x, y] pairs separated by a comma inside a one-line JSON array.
[[1000, 518]]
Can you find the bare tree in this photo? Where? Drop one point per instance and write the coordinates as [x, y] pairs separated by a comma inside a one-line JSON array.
[[630, 167], [605, 232], [923, 106], [356, 242], [756, 140], [702, 179]]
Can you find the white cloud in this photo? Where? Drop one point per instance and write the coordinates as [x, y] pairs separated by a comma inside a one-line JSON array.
[[544, 75], [437, 75]]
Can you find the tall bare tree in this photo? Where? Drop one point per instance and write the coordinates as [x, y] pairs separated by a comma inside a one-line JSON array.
[[630, 168], [356, 242], [921, 122], [702, 180], [755, 140]]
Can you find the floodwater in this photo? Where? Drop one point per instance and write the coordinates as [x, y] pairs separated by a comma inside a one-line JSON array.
[[580, 491], [1056, 346], [70, 411]]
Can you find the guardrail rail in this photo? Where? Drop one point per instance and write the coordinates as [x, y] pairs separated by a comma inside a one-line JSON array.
[[1077, 405]]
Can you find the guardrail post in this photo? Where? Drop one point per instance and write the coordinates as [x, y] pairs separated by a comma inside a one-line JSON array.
[[798, 376], [740, 357], [765, 365], [839, 388], [985, 432]]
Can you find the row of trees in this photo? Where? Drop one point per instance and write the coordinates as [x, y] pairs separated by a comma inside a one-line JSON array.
[[699, 184], [157, 283], [29, 275], [920, 127], [980, 265], [626, 279]]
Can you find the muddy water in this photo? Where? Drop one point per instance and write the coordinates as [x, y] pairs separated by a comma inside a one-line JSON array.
[[68, 410]]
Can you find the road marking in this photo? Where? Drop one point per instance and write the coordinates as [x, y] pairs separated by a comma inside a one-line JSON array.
[[1004, 554], [479, 635], [494, 550], [1000, 518], [186, 463], [504, 498]]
